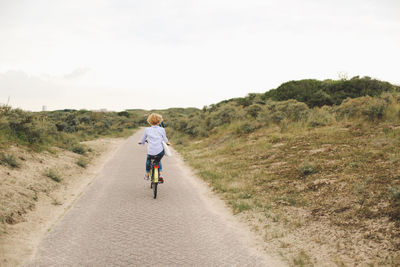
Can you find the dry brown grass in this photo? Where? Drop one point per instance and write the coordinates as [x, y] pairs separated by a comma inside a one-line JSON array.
[[330, 192]]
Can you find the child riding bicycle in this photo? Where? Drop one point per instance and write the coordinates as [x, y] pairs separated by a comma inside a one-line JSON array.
[[154, 136]]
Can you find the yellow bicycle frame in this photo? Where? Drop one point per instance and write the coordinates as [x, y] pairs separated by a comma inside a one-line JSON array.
[[155, 174]]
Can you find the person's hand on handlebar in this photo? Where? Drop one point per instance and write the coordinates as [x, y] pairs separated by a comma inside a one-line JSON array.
[[168, 143]]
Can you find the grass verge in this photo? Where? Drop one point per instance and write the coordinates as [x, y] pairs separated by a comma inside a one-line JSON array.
[[334, 187]]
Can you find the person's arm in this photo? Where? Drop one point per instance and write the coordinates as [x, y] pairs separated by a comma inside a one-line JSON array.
[[143, 140], [164, 136]]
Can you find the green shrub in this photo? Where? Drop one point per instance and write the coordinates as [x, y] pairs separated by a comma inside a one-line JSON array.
[[82, 162], [393, 210], [79, 149], [291, 110], [264, 117], [53, 175], [317, 93], [124, 113], [307, 168], [224, 115], [253, 110], [395, 193], [10, 160], [372, 108], [375, 109], [245, 127], [276, 112], [29, 128], [320, 117]]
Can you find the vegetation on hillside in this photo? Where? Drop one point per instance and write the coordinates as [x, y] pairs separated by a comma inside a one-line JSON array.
[[24, 133], [311, 163], [317, 93], [318, 174], [295, 101], [63, 128]]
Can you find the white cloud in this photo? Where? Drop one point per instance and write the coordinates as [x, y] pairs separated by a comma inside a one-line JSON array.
[[75, 74]]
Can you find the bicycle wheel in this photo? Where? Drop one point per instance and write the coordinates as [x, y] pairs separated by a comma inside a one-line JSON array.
[[155, 189]]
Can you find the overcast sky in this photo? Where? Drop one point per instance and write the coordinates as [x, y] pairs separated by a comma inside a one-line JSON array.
[[122, 54]]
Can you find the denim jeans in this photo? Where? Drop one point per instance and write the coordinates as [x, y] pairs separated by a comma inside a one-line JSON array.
[[159, 157]]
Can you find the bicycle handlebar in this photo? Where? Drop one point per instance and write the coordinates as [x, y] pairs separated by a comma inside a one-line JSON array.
[[168, 144]]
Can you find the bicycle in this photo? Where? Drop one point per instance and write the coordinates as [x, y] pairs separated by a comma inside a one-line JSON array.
[[154, 174]]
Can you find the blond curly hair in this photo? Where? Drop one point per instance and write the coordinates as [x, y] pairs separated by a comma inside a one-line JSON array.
[[154, 119]]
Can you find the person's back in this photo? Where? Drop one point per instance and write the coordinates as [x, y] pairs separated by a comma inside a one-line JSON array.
[[154, 136]]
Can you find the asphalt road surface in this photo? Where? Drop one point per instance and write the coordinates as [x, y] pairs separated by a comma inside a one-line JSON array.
[[116, 222]]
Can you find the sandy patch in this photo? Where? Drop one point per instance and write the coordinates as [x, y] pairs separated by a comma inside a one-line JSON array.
[[19, 239]]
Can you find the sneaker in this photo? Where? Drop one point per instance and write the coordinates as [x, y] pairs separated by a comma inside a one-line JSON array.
[[161, 180], [146, 176]]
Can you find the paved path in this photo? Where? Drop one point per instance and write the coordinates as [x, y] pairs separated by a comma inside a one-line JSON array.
[[118, 223]]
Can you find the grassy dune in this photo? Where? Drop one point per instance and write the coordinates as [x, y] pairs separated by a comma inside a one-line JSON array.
[[42, 151], [316, 173], [321, 188], [341, 179]]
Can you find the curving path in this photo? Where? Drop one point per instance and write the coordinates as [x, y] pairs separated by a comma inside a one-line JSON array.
[[117, 222]]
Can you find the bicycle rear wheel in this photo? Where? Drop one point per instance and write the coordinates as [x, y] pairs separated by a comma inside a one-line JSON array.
[[155, 189]]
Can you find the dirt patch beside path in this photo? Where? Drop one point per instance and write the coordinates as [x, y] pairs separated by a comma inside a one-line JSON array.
[[33, 202]]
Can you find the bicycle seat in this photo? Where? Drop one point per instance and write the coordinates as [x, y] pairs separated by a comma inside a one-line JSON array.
[[156, 158]]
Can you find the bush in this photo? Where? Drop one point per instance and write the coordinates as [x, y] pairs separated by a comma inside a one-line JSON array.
[[291, 109], [224, 115], [392, 109], [30, 128], [82, 162], [276, 112], [79, 149], [317, 93], [53, 175], [253, 110], [124, 113], [375, 109], [320, 117], [393, 210], [395, 193], [10, 160], [264, 117], [368, 107], [307, 169], [245, 127]]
